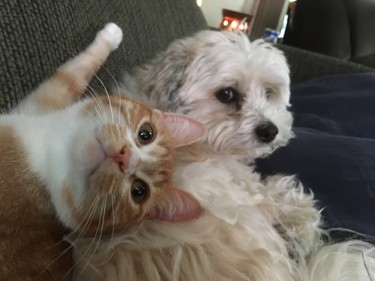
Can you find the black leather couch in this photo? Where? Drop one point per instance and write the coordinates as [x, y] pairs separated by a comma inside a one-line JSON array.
[[339, 28]]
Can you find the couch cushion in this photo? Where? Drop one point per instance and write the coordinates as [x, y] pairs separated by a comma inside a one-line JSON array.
[[38, 36], [366, 60], [305, 65], [321, 26], [362, 25], [334, 151]]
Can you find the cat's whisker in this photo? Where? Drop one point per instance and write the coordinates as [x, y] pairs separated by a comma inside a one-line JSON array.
[[83, 83], [57, 257], [76, 229], [100, 229], [93, 117], [108, 97], [100, 108], [103, 113], [103, 213], [86, 220], [91, 91], [113, 217], [67, 239], [118, 91], [119, 111], [100, 103], [113, 78], [100, 114], [91, 70], [83, 232], [91, 214], [94, 93]]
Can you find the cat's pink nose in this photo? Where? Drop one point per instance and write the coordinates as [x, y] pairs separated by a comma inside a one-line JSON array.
[[122, 158]]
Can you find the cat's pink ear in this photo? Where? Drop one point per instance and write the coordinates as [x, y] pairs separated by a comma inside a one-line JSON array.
[[178, 207], [184, 130]]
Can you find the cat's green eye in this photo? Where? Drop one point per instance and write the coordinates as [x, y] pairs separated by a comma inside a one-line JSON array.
[[146, 134], [139, 191]]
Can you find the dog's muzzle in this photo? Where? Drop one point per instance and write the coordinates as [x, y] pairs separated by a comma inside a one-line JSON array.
[[266, 132]]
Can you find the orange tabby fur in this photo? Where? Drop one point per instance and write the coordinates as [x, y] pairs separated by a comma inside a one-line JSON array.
[[30, 236], [75, 168]]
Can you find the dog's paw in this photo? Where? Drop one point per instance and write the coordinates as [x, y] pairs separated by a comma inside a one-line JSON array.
[[295, 214], [111, 33]]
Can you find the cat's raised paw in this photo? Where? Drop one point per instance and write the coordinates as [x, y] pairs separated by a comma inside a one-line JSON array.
[[113, 34]]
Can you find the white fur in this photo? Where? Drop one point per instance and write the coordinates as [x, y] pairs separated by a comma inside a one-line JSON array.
[[63, 160], [193, 69], [113, 34], [53, 159], [252, 229]]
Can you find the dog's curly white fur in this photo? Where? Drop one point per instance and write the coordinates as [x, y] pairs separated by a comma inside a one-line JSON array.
[[190, 75], [252, 229]]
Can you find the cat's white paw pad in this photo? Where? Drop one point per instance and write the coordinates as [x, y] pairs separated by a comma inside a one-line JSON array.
[[113, 34]]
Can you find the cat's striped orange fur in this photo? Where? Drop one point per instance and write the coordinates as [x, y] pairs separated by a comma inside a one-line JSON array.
[[31, 236], [89, 167]]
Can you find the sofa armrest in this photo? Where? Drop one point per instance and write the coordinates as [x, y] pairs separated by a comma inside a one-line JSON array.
[[305, 65]]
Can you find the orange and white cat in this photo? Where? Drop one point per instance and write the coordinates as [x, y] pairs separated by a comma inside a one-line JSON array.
[[89, 167]]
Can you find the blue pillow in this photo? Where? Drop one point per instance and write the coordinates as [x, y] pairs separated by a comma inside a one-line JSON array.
[[333, 153]]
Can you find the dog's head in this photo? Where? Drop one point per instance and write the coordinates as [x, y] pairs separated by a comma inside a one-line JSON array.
[[237, 88]]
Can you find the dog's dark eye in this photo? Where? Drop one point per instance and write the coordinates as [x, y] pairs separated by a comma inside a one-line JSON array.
[[227, 95], [139, 191], [146, 134], [269, 92]]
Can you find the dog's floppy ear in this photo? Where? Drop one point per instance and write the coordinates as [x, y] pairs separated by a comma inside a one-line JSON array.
[[162, 78]]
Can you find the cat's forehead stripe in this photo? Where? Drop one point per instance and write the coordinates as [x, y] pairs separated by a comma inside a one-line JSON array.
[[139, 114], [128, 106]]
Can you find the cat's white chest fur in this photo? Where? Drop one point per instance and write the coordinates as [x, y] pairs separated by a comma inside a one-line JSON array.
[[49, 144]]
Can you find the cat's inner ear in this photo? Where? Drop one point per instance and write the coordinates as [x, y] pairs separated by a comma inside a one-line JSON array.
[[183, 130], [178, 206]]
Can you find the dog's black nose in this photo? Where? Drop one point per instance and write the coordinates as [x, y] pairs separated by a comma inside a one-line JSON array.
[[266, 132]]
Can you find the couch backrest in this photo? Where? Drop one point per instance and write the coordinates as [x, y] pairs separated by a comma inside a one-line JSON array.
[[37, 36], [362, 27], [339, 28]]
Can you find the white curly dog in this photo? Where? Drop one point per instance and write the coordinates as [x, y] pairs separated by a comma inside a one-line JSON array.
[[252, 229]]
